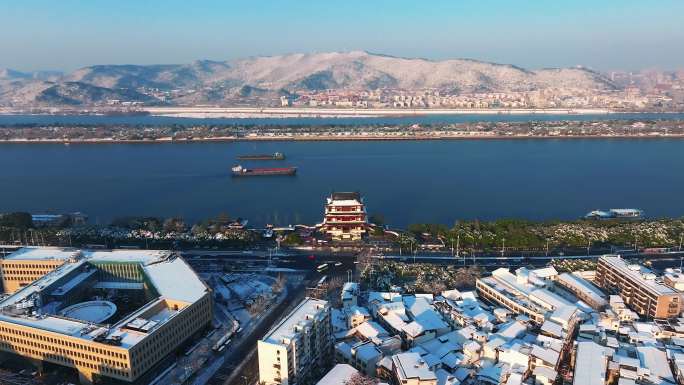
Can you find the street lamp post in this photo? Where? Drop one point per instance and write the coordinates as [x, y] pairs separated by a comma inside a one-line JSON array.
[[458, 243], [547, 247]]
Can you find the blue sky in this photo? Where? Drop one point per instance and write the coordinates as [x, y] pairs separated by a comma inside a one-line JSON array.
[[604, 35]]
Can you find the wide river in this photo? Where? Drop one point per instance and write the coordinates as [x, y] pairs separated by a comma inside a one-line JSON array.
[[405, 181]]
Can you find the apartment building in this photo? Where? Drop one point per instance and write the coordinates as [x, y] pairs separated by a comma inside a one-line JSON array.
[[63, 319], [638, 287], [511, 292], [293, 351]]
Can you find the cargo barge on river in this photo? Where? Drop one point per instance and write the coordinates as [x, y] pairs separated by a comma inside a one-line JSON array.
[[243, 171], [274, 156]]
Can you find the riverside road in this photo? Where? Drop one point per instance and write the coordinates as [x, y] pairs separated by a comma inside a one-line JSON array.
[[309, 260]]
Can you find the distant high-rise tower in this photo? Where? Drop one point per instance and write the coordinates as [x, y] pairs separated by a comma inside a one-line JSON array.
[[345, 216]]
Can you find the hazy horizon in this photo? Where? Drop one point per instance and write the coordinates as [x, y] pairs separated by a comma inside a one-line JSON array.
[[611, 35]]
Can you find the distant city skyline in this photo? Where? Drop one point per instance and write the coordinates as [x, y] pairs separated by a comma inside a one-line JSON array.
[[610, 35]]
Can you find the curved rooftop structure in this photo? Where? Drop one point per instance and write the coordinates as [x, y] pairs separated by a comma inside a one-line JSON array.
[[90, 311]]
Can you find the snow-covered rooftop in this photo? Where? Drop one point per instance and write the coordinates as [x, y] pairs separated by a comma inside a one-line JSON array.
[[339, 374], [411, 365], [167, 278], [590, 364], [371, 329], [282, 333], [656, 361], [43, 253], [580, 284]]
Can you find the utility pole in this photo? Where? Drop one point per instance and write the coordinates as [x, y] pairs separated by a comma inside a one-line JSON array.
[[681, 238], [503, 247]]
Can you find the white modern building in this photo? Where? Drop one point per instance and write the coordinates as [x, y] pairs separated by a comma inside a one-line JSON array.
[[108, 314]]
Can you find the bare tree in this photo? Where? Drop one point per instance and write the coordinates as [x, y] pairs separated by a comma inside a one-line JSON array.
[[279, 284], [360, 379]]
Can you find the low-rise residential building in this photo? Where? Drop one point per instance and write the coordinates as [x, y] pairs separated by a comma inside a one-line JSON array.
[[350, 294], [356, 315], [591, 364], [411, 369], [583, 289]]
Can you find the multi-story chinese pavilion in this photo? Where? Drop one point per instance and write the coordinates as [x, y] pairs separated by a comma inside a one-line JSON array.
[[345, 216]]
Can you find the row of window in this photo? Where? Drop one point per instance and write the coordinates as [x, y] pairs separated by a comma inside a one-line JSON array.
[[128, 271], [62, 356], [44, 266], [61, 359], [162, 341], [23, 278], [61, 342]]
